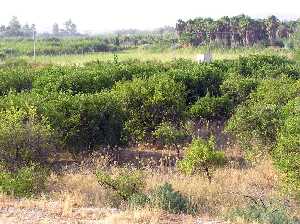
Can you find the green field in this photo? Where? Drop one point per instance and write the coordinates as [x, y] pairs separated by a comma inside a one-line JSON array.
[[161, 55]]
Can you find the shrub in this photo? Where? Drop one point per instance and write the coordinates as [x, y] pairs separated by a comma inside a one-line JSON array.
[[286, 153], [81, 121], [15, 79], [101, 120], [238, 88], [127, 184], [72, 79], [201, 155], [164, 197], [86, 120], [258, 120], [168, 134], [262, 65], [210, 107], [148, 103], [25, 182], [267, 213], [198, 79], [138, 200], [24, 137]]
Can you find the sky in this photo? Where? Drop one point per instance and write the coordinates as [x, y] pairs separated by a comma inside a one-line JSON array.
[[107, 15]]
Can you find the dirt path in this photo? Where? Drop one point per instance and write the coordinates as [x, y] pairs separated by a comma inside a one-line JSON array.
[[42, 212]]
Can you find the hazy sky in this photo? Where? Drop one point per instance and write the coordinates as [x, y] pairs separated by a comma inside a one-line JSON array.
[[100, 15]]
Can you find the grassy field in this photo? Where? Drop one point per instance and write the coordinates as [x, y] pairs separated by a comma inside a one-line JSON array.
[[158, 54]]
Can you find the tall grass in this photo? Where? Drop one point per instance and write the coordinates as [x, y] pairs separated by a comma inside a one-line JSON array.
[[160, 55]]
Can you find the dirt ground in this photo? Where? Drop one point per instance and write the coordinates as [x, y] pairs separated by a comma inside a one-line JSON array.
[[14, 211]]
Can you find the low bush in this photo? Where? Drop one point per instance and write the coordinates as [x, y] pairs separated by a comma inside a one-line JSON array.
[[201, 155], [15, 79], [286, 153], [258, 119], [262, 66], [238, 88], [198, 79], [25, 137], [167, 134], [267, 213], [164, 197], [210, 107], [138, 200], [148, 103], [86, 120], [127, 184], [25, 182]]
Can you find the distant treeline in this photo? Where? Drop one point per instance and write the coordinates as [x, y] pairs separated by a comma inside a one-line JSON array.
[[16, 29], [16, 39], [234, 31], [47, 45]]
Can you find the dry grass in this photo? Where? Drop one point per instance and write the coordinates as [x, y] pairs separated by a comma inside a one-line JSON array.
[[78, 196], [228, 188]]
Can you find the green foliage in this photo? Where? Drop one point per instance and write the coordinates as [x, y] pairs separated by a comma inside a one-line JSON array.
[[24, 136], [201, 155], [138, 200], [149, 102], [238, 88], [266, 32], [198, 79], [25, 182], [267, 213], [56, 46], [127, 184], [167, 134], [86, 120], [258, 65], [287, 151], [258, 120], [108, 103], [15, 79], [164, 197], [210, 107]]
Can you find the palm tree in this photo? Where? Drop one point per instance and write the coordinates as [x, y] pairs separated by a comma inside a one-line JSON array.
[[235, 31], [272, 24], [210, 27], [180, 27], [226, 31], [245, 29]]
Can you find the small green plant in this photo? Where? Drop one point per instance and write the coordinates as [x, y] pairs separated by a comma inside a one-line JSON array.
[[168, 134], [138, 200], [201, 155], [164, 197], [264, 213], [25, 182], [126, 183]]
